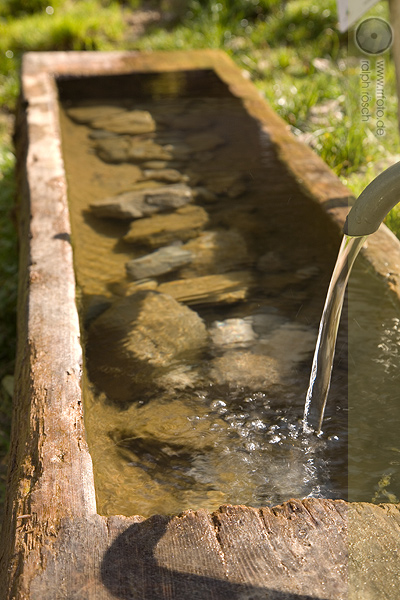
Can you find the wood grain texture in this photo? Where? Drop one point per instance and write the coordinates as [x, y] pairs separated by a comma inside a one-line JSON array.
[[54, 546]]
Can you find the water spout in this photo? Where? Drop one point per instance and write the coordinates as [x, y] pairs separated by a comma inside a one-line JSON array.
[[368, 212]]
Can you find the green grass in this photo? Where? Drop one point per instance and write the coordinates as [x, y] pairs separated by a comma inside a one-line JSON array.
[[279, 44]]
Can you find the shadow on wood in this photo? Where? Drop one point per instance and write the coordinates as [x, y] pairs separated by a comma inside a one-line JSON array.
[[132, 568]]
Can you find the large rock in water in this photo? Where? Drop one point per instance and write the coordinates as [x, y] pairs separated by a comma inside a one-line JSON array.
[[137, 336], [142, 203]]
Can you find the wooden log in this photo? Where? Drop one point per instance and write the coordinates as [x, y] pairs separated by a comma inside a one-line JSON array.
[[54, 545]]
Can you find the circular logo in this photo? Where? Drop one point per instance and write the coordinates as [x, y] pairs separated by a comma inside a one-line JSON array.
[[374, 36]]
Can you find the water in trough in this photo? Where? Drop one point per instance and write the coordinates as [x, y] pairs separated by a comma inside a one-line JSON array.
[[202, 269]]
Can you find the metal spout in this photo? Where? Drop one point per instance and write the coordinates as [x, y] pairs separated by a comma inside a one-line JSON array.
[[374, 203]]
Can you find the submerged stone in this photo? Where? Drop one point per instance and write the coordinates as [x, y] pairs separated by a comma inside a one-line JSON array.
[[217, 252], [289, 343], [131, 122], [165, 175], [204, 195], [149, 326], [114, 119], [86, 114], [190, 121], [245, 369], [227, 183], [232, 331], [211, 289], [204, 141], [161, 261], [143, 202], [271, 262], [136, 336], [178, 422], [159, 230], [156, 164], [125, 149]]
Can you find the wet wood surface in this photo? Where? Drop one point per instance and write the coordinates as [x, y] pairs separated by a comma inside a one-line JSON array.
[[53, 544]]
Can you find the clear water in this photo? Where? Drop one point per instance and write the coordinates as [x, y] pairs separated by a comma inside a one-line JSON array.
[[373, 389], [321, 369], [225, 425]]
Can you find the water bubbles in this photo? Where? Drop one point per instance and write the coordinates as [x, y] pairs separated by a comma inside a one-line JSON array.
[[275, 439], [9, 54], [49, 10], [257, 424]]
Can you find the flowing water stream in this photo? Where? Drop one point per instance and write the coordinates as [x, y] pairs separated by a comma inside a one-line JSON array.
[[321, 369]]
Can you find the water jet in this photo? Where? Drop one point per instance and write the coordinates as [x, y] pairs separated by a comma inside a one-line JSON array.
[[364, 218]]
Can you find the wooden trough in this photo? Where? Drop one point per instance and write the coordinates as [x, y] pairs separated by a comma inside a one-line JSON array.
[[54, 545]]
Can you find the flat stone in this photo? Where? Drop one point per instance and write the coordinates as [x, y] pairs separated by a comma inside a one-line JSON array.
[[126, 149], [190, 121], [227, 183], [86, 114], [245, 369], [271, 262], [100, 134], [160, 230], [156, 164], [204, 141], [161, 261], [265, 322], [131, 122], [165, 175], [113, 149], [169, 421], [143, 202], [217, 252], [210, 289], [289, 344], [204, 195], [142, 284], [232, 331], [179, 150]]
